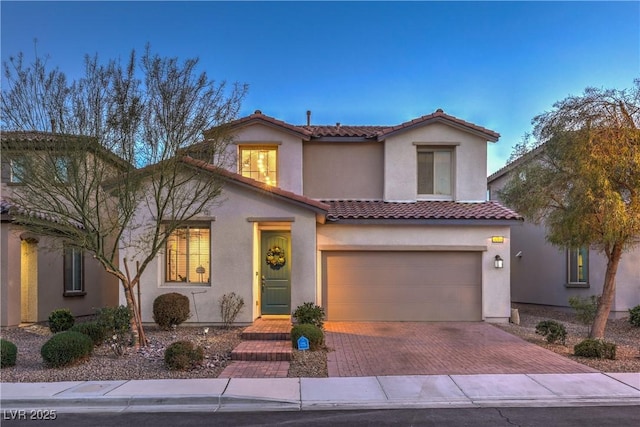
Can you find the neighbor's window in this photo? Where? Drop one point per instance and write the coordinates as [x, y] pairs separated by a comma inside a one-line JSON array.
[[259, 163], [62, 169], [16, 170], [434, 171], [188, 255], [73, 271], [578, 266]]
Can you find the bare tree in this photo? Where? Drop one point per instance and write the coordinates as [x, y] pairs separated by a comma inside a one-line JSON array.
[[112, 179], [583, 180]]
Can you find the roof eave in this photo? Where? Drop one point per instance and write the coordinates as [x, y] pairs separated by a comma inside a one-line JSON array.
[[425, 221]]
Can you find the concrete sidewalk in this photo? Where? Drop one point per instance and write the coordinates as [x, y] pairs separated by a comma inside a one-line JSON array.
[[295, 394]]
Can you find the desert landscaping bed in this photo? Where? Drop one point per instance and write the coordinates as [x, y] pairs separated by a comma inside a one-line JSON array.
[[148, 363]]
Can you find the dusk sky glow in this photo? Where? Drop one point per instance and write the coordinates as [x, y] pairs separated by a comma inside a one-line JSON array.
[[495, 64]]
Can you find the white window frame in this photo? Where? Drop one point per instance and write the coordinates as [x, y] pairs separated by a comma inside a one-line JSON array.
[[434, 195], [170, 254], [73, 273], [269, 167], [573, 271]]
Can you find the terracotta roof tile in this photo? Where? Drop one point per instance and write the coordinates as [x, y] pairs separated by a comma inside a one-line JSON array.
[[312, 203], [8, 208], [440, 115], [378, 209], [365, 131], [321, 131]]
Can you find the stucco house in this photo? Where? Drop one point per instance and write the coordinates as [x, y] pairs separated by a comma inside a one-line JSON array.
[[40, 274], [375, 223], [548, 275]]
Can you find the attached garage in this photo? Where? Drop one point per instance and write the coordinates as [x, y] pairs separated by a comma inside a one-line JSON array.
[[402, 285]]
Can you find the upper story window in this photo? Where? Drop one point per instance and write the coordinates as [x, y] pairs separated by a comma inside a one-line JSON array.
[[188, 255], [435, 171], [73, 271], [13, 170], [61, 165], [578, 266], [259, 163]]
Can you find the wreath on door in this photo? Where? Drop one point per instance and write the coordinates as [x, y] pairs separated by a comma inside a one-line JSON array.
[[275, 258]]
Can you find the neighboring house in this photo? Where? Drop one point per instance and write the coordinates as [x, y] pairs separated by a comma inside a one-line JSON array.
[[40, 274], [373, 223], [548, 275]]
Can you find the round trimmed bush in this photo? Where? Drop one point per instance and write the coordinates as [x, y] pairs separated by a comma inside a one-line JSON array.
[[170, 309], [61, 320], [182, 355], [313, 333], [92, 330], [593, 348], [8, 353], [634, 316], [66, 348]]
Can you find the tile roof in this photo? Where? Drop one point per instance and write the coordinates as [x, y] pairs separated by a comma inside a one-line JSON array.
[[257, 185], [379, 133], [8, 208], [441, 116], [378, 209], [323, 131]]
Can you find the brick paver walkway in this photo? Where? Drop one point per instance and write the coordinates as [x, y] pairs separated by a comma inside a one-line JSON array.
[[245, 369], [415, 348]]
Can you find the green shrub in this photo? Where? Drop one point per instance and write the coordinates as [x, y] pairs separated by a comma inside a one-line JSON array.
[[92, 330], [170, 309], [595, 349], [309, 313], [634, 316], [182, 355], [313, 333], [8, 353], [115, 323], [585, 308], [230, 306], [552, 330], [60, 320], [65, 348]]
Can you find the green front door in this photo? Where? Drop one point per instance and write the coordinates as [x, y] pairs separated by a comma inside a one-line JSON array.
[[275, 259]]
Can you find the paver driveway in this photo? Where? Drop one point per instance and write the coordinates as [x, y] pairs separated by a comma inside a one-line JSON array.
[[415, 348]]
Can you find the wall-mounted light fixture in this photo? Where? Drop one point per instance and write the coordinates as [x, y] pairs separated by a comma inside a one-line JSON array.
[[497, 239], [498, 262]]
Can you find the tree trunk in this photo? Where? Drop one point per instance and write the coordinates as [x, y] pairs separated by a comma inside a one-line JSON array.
[[139, 337], [608, 293]]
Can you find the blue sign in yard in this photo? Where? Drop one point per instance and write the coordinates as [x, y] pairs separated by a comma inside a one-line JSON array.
[[303, 343]]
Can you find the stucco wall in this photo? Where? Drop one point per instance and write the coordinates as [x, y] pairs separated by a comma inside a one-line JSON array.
[[289, 175], [101, 288], [495, 282], [9, 275], [234, 256], [470, 162], [344, 170]]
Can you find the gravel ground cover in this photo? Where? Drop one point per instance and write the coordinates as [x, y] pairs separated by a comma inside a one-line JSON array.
[[148, 363], [619, 331]]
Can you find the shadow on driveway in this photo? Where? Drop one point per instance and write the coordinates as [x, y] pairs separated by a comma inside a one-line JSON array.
[[360, 349]]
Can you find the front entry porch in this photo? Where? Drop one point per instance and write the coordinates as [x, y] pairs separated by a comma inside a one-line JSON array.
[[265, 352]]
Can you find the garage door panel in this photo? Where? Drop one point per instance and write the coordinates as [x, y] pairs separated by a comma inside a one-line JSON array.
[[403, 286]]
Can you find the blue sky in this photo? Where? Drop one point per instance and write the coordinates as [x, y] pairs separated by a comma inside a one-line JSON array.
[[496, 64]]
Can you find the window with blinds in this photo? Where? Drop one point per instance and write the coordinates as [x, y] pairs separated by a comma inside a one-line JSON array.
[[188, 255]]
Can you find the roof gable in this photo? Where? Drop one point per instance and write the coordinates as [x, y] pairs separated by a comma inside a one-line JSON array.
[[323, 132], [236, 178], [439, 116]]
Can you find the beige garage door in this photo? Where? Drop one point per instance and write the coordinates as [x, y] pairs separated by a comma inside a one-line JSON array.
[[402, 286]]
